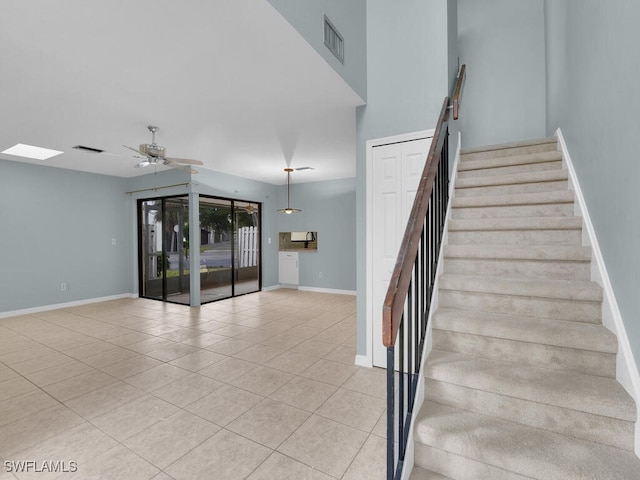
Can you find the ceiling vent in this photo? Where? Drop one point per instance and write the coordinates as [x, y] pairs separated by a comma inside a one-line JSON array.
[[88, 149], [333, 40]]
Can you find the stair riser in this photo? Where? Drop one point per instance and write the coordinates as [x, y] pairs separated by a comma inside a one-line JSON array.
[[552, 308], [585, 426], [548, 210], [511, 169], [535, 354], [510, 152], [458, 467], [511, 189], [516, 237], [554, 270]]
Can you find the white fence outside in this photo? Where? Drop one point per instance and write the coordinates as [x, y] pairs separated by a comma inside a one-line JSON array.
[[248, 246]]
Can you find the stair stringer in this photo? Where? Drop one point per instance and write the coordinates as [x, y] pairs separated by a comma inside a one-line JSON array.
[[408, 464], [626, 369]]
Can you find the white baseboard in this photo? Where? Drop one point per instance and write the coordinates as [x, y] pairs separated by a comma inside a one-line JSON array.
[[327, 290], [363, 361], [271, 288], [626, 368], [56, 306]]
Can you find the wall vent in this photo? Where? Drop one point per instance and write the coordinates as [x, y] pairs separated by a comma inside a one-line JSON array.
[[333, 40]]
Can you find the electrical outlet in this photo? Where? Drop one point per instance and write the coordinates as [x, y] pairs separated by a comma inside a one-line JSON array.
[[114, 241], [319, 274], [63, 287]]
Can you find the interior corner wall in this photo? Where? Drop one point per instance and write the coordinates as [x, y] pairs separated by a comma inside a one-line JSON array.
[[59, 226], [329, 208], [593, 66], [502, 44], [348, 17], [407, 69]]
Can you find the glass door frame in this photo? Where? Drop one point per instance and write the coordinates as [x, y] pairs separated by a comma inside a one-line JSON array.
[[234, 234], [142, 255]]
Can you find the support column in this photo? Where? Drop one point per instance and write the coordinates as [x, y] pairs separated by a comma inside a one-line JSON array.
[[194, 249]]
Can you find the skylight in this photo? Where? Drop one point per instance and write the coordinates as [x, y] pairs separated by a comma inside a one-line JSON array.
[[29, 151]]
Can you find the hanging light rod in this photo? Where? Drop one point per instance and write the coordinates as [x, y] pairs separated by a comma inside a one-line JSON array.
[[288, 210]]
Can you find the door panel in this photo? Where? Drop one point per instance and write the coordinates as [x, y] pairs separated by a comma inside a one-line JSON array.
[[176, 247], [246, 248], [216, 273], [151, 254], [396, 172]]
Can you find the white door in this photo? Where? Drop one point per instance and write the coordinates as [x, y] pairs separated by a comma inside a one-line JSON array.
[[396, 171]]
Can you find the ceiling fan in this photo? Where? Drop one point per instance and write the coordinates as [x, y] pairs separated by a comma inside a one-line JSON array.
[[154, 154]]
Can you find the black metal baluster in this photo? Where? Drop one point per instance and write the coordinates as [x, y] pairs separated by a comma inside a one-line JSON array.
[[391, 461]]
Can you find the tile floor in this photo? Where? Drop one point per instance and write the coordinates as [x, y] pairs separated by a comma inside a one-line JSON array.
[[261, 387]]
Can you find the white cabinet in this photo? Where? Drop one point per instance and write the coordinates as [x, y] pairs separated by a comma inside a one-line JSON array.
[[289, 273]]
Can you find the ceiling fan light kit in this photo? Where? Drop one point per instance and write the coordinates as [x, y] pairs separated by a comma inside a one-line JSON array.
[[154, 154], [288, 210]]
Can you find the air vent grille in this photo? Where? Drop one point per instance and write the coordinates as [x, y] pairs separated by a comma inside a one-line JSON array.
[[88, 149], [333, 40]]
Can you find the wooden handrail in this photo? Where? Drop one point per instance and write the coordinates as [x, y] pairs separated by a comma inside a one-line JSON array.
[[394, 301], [457, 93]]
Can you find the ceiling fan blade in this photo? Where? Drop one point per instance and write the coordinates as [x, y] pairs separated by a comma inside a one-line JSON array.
[[136, 150], [184, 160]]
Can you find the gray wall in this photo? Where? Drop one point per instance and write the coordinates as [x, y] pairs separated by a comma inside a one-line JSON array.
[[348, 17], [58, 226], [407, 75], [593, 67], [502, 44], [330, 209]]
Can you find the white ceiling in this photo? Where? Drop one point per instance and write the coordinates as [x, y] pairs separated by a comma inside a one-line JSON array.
[[229, 82]]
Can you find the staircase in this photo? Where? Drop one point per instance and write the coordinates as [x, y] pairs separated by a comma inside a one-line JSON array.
[[520, 383]]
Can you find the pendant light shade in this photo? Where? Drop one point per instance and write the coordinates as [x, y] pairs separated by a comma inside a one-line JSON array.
[[288, 210]]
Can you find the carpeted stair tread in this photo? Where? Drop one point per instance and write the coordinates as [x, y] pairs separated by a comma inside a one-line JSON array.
[[511, 179], [514, 252], [421, 474], [527, 287], [549, 142], [558, 333], [481, 162], [524, 450], [517, 223], [541, 198], [590, 394], [511, 169], [458, 467]]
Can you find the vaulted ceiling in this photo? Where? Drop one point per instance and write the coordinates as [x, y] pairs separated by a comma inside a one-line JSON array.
[[229, 82]]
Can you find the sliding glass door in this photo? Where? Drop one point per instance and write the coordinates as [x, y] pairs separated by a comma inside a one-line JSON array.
[[247, 247], [216, 242], [163, 248], [228, 248]]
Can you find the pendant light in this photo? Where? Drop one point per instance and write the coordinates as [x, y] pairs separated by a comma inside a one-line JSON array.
[[288, 210]]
